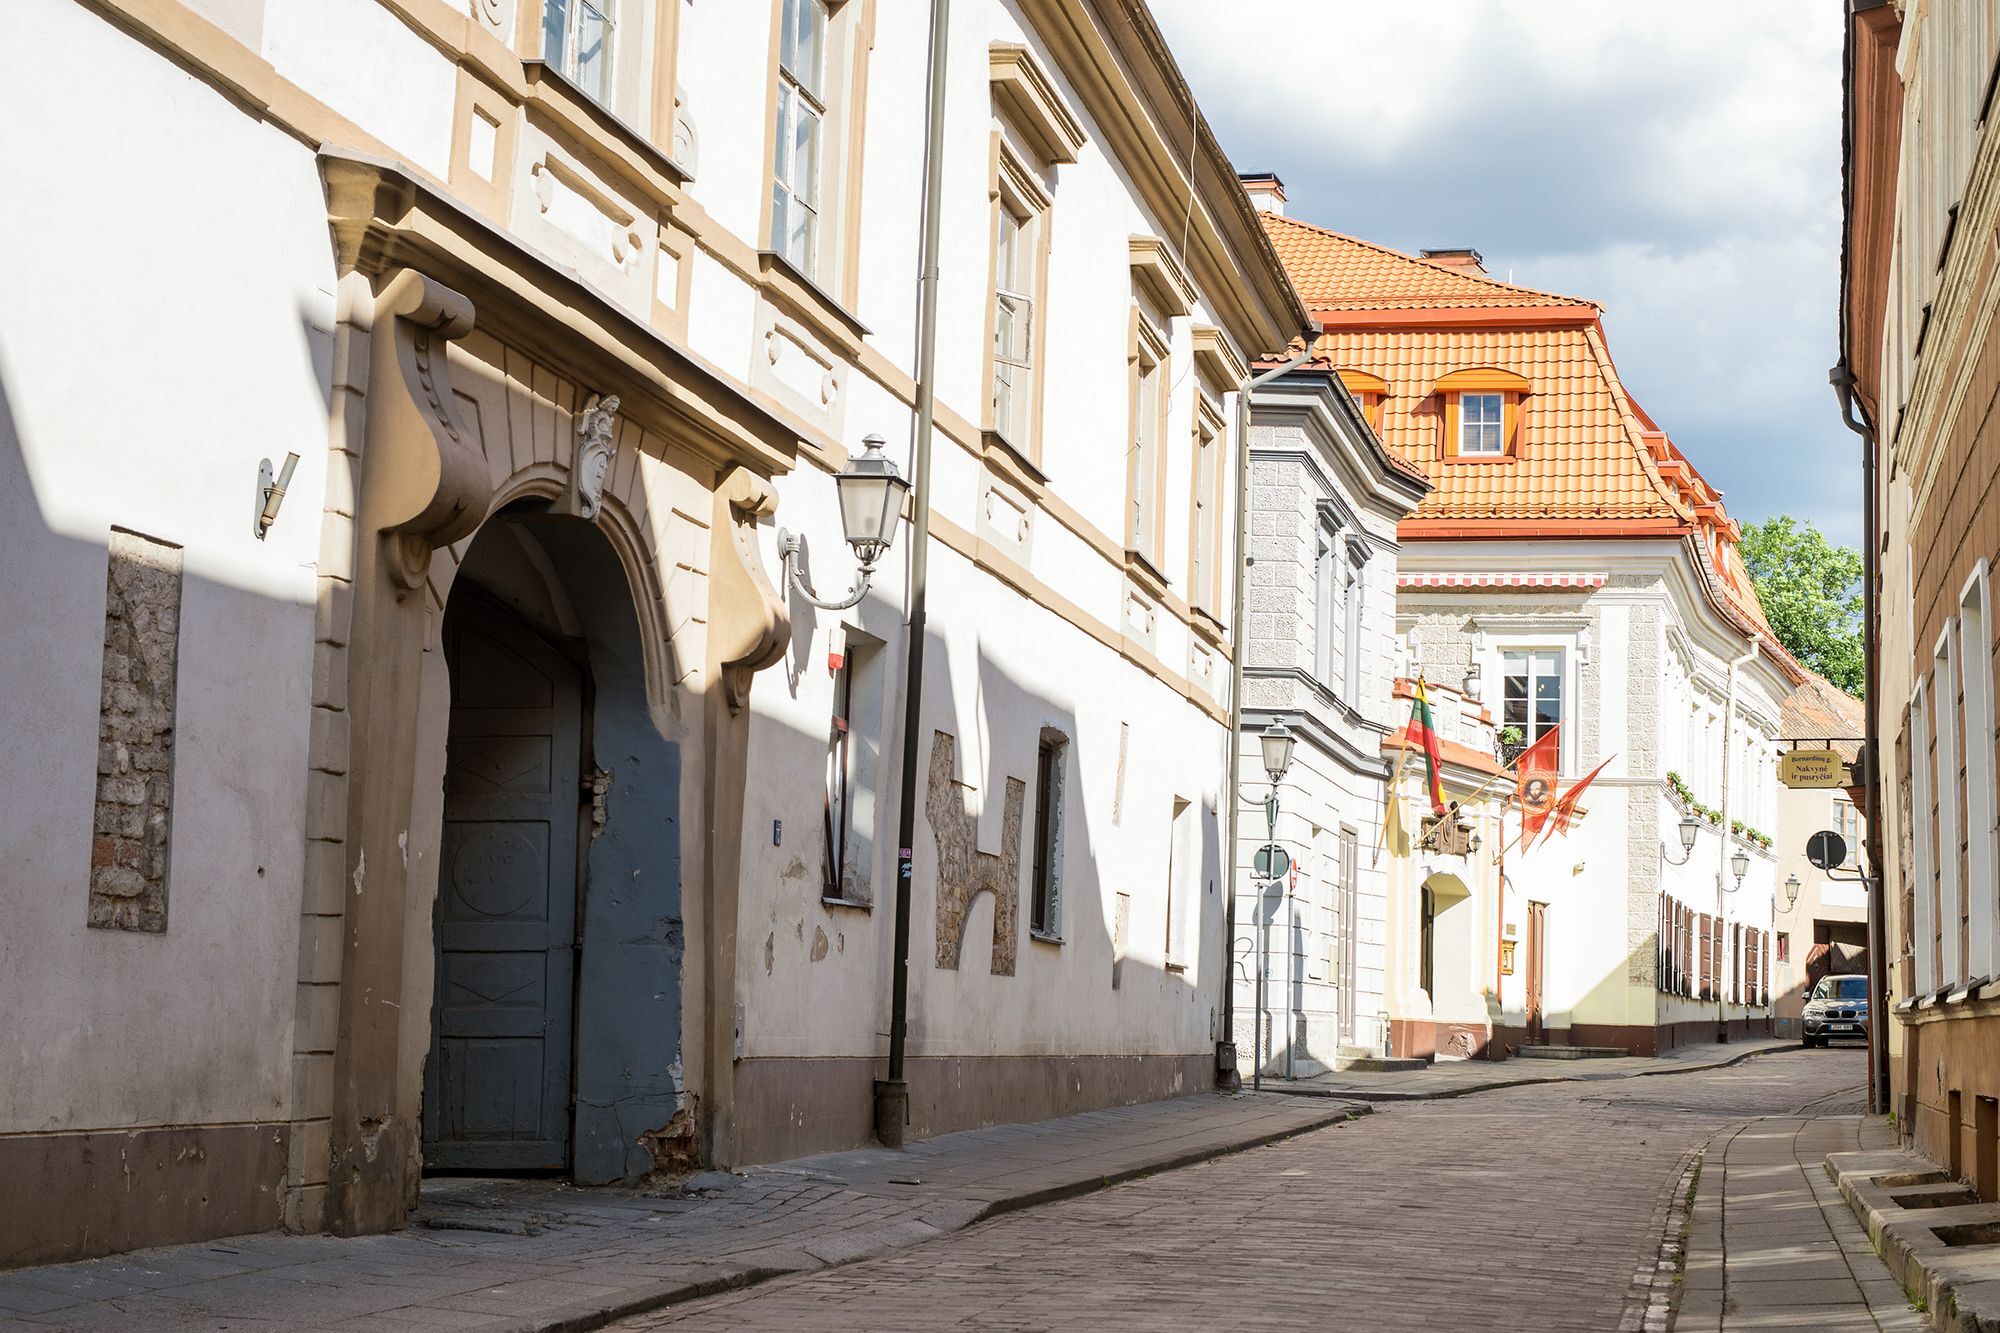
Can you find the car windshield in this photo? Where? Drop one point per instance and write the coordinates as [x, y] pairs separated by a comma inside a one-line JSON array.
[[1841, 988]]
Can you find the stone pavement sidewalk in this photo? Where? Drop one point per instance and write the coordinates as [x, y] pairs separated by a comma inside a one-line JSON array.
[[1457, 1078], [525, 1254], [1772, 1244]]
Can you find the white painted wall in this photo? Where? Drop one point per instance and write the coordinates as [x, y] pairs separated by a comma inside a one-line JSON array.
[[163, 326]]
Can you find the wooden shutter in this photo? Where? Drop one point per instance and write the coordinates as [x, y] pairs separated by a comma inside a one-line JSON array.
[[1707, 958]]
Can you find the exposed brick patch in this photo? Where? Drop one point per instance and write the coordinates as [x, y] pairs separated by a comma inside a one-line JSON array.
[[135, 735], [965, 872]]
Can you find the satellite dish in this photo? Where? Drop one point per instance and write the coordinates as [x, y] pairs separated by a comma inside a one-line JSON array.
[[1826, 849]]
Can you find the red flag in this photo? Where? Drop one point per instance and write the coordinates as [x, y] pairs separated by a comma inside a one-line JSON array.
[[1535, 782], [1565, 809]]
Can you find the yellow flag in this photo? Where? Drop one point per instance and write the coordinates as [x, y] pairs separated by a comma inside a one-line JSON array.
[[1394, 836]]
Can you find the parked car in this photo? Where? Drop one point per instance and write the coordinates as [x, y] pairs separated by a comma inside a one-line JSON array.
[[1837, 1008]]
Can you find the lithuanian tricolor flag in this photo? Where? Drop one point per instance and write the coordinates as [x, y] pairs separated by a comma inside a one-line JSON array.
[[1423, 731]]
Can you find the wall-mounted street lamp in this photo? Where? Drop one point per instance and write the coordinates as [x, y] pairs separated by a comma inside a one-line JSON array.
[[1740, 864], [1791, 892], [271, 492], [871, 493], [1690, 830], [1272, 866]]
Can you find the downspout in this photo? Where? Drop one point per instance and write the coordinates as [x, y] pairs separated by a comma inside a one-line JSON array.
[[1855, 418], [892, 1094], [1226, 1074], [1722, 850]]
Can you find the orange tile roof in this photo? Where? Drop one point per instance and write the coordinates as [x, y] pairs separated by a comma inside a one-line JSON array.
[[1335, 272], [1587, 461]]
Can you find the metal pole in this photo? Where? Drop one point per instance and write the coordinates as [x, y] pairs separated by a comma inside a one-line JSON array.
[[1229, 1077], [1264, 951], [1722, 849], [1855, 417], [892, 1095]]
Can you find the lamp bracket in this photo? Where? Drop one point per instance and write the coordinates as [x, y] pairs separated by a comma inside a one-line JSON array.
[[791, 547]]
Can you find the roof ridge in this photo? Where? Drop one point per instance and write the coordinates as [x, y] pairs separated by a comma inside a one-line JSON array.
[[1460, 274]]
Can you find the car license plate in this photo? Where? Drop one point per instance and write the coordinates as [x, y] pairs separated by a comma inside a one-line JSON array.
[[1840, 1027]]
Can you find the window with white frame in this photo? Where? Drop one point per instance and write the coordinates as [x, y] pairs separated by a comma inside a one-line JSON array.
[[1180, 881], [1045, 884], [1149, 380], [854, 770], [1204, 566], [801, 93], [1946, 787], [1326, 598], [1975, 658], [1357, 556], [1923, 842], [1014, 265], [576, 39], [1481, 417], [1847, 823], [1531, 696]]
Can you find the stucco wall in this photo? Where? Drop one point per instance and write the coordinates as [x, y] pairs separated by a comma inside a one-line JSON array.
[[140, 384]]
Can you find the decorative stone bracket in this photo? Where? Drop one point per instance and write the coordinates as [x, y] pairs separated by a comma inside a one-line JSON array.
[[749, 623], [590, 465], [424, 478]]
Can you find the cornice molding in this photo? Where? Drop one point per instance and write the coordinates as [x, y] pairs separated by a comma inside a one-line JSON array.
[[383, 217]]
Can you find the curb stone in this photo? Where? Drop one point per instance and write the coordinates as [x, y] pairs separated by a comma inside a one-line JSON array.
[[1445, 1094]]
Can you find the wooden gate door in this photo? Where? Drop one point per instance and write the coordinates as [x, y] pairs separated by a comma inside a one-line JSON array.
[[1537, 956], [497, 1088]]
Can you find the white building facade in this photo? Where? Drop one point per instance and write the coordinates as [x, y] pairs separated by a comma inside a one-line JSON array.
[[487, 798], [1319, 658]]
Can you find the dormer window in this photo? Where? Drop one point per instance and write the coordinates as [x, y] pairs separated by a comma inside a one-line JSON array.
[[1482, 414], [1369, 393], [1481, 417]]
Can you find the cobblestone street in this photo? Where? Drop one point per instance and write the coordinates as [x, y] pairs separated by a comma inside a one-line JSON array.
[[1536, 1208]]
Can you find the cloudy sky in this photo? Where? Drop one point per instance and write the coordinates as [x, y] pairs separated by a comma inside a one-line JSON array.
[[1682, 171]]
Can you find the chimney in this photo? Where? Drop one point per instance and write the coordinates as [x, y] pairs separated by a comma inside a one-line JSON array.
[[1266, 191], [1458, 258]]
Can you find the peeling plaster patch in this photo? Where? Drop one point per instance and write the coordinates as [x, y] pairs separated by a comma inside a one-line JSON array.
[[403, 845], [360, 871], [840, 942], [600, 788], [796, 870], [819, 944], [770, 952]]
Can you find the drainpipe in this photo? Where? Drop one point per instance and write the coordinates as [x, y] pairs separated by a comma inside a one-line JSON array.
[[1722, 850], [1226, 1074], [892, 1094], [1855, 418]]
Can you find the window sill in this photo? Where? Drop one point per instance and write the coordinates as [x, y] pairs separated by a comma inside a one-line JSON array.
[[853, 904], [1481, 458], [1207, 627], [1043, 937], [807, 300], [1142, 571], [1176, 968], [554, 90], [1010, 460]]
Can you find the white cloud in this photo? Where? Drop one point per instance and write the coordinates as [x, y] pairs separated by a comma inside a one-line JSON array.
[[1683, 170]]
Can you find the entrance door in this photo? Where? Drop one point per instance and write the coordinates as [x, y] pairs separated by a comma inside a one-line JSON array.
[[497, 1088], [1538, 939]]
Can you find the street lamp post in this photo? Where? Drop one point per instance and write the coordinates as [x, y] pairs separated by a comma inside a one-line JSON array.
[[1276, 742]]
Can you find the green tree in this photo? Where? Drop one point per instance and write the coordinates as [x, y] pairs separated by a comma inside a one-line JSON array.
[[1811, 591]]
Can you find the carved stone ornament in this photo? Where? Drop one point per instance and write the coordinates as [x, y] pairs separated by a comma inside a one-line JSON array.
[[749, 623], [596, 451], [424, 483]]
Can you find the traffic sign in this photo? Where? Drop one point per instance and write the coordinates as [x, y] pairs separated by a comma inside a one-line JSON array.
[[1826, 849], [1272, 862]]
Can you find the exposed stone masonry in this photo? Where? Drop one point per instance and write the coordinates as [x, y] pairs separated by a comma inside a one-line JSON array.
[[965, 872], [135, 735]]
